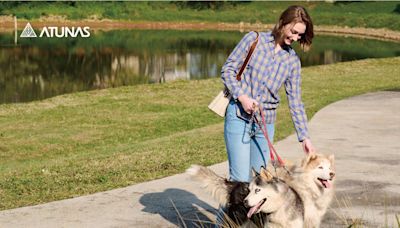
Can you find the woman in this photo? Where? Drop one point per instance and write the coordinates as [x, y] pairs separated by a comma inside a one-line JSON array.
[[273, 64]]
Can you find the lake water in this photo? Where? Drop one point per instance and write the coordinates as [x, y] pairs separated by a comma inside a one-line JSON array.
[[38, 68]]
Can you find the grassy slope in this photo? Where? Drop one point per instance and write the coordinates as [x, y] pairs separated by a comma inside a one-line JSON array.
[[354, 14], [87, 142]]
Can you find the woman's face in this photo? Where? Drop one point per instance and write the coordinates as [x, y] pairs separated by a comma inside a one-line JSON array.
[[293, 32]]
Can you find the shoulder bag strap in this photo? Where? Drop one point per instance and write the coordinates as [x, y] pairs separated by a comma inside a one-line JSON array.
[[246, 61]]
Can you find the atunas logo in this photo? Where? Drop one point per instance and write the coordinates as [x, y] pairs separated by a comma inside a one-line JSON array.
[[53, 31]]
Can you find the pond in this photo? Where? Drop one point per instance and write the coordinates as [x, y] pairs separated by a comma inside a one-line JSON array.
[[38, 68]]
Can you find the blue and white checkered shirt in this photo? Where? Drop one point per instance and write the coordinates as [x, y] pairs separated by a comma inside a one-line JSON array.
[[264, 75]]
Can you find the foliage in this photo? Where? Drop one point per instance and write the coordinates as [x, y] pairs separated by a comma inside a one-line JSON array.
[[353, 14], [205, 5]]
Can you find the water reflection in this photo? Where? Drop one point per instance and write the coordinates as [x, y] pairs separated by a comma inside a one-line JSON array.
[[46, 67]]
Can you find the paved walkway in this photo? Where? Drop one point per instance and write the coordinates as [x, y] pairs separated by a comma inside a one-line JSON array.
[[363, 132]]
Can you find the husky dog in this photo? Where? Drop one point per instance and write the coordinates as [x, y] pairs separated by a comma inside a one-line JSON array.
[[273, 196], [313, 180], [249, 204], [229, 194]]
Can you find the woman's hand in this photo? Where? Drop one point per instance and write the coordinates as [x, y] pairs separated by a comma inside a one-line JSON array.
[[249, 104], [308, 146]]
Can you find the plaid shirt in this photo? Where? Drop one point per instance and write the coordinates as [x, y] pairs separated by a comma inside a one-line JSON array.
[[264, 75]]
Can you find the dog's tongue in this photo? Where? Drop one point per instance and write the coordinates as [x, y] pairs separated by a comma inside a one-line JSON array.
[[327, 183], [253, 209]]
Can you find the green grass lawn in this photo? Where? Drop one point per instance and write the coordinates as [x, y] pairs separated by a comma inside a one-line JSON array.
[[381, 14], [82, 143]]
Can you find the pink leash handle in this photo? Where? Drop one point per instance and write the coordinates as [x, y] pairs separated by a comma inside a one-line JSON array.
[[272, 150]]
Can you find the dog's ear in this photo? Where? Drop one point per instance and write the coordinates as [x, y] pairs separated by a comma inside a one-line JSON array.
[[265, 174], [310, 157], [254, 172]]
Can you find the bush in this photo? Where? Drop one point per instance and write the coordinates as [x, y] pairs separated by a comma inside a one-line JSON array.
[[204, 5]]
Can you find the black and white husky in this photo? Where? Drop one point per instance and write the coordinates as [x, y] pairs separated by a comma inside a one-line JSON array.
[[271, 195], [311, 189]]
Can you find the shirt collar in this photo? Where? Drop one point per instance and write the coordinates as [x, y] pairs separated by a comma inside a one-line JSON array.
[[269, 37]]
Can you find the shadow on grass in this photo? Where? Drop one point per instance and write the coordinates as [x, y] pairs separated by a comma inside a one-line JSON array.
[[179, 207]]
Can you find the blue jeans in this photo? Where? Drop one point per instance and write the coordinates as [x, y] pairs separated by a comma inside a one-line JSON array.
[[244, 150]]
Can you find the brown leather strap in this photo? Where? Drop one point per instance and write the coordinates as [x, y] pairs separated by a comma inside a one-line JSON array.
[[246, 61]]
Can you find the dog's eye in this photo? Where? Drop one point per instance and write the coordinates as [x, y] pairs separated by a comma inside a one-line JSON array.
[[257, 190], [320, 167]]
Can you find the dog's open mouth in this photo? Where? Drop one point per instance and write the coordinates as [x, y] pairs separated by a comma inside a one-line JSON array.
[[325, 183], [256, 208]]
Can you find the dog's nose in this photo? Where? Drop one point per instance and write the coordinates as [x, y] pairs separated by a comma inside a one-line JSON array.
[[331, 174]]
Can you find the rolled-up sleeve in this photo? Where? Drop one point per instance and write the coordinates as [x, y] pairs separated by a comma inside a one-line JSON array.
[[296, 106], [233, 64]]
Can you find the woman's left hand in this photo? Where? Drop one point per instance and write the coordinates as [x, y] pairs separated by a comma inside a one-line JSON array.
[[308, 146]]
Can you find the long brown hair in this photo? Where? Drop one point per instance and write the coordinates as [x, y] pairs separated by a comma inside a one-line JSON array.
[[295, 14]]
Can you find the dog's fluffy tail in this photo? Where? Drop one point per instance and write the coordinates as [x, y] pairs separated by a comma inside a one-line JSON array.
[[213, 183]]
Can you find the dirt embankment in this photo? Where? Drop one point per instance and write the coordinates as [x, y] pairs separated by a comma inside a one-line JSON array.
[[7, 24]]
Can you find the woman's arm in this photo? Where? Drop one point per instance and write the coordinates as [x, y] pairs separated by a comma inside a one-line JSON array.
[[296, 106], [233, 64]]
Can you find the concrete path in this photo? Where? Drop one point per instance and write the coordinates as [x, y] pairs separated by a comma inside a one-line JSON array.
[[363, 132]]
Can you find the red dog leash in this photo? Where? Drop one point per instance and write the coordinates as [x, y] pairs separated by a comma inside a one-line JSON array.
[[272, 151]]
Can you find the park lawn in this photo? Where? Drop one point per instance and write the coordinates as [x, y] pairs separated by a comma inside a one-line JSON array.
[[86, 142], [381, 14]]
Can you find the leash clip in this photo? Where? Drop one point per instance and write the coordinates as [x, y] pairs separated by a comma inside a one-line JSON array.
[[252, 132]]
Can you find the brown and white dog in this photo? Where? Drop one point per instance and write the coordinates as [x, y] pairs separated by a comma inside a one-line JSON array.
[[314, 181]]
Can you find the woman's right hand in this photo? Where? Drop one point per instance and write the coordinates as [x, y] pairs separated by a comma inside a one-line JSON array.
[[249, 104]]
